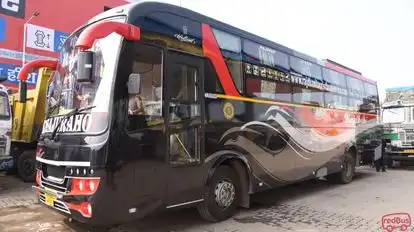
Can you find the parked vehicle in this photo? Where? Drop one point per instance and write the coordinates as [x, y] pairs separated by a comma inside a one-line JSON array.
[[155, 107], [398, 130], [6, 161], [27, 117]]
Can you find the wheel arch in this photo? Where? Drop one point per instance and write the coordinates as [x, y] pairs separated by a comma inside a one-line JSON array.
[[239, 163], [352, 149]]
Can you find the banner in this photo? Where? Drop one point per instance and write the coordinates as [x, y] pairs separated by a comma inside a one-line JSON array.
[[17, 55], [14, 8], [11, 71], [44, 38], [40, 38]]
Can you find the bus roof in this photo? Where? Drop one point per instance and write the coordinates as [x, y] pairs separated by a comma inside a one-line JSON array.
[[145, 7]]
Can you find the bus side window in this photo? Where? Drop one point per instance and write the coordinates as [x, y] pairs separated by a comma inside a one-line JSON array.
[[145, 88], [184, 99], [212, 83]]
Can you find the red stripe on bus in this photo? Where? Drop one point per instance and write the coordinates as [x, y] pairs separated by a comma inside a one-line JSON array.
[[349, 73], [212, 51]]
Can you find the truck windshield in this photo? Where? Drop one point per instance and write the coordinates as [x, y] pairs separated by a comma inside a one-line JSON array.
[[393, 115], [65, 93], [4, 106]]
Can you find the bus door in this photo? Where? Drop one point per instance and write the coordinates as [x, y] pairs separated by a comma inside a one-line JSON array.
[[185, 130]]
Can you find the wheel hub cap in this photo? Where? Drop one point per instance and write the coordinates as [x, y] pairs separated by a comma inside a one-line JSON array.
[[224, 193]]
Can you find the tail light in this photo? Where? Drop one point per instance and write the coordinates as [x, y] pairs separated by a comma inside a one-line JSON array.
[[39, 151], [84, 186], [84, 208], [38, 177]]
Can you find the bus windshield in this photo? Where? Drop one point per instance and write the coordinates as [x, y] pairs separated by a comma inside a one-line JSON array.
[[393, 115], [4, 106], [65, 93]]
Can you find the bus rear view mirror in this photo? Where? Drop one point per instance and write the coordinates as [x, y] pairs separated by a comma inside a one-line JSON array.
[[85, 66], [134, 83], [22, 91]]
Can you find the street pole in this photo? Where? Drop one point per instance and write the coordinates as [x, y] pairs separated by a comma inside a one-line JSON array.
[[36, 13], [24, 44]]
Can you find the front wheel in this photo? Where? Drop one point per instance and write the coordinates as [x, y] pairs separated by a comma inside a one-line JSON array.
[[26, 165], [222, 195], [347, 173]]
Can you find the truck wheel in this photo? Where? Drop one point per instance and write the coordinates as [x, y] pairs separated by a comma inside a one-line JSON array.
[[222, 195], [347, 173], [26, 166]]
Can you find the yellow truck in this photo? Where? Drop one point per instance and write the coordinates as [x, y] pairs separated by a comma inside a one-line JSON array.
[[27, 125]]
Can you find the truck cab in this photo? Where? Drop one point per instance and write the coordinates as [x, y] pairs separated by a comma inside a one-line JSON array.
[[6, 161], [398, 130]]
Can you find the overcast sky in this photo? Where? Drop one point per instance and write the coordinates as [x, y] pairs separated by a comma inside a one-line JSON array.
[[375, 37]]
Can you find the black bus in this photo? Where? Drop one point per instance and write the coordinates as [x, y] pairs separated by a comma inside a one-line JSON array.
[[154, 107]]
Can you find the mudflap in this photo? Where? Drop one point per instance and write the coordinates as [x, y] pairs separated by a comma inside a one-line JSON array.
[[6, 163]]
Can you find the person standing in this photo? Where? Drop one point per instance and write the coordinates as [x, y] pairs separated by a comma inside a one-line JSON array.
[[379, 154]]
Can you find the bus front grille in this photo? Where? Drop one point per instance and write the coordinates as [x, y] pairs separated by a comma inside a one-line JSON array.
[[59, 205], [3, 142], [53, 177]]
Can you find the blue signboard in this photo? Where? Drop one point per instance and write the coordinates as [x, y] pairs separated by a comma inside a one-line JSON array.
[[11, 71], [59, 39], [2, 29]]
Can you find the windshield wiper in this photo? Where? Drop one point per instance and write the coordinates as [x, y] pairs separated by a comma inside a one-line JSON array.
[[70, 114]]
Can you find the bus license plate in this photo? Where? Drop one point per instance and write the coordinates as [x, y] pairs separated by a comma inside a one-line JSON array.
[[409, 151], [49, 200]]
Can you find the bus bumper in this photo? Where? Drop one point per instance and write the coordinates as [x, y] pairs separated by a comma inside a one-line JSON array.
[[68, 206], [399, 156]]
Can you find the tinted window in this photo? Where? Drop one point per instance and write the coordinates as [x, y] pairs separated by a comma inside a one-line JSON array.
[[145, 87], [355, 104], [370, 89], [355, 87], [336, 101], [184, 95], [227, 41], [269, 89], [334, 77], [172, 30], [184, 83], [212, 82], [230, 47], [305, 67], [258, 54], [307, 91], [307, 96]]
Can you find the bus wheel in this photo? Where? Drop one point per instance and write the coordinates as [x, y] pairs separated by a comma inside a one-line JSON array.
[[222, 195], [26, 166], [347, 173]]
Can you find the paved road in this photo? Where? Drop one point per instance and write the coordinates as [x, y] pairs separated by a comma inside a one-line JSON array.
[[311, 206]]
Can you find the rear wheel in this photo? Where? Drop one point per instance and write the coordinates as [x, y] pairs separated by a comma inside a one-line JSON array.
[[222, 195], [347, 173], [26, 165]]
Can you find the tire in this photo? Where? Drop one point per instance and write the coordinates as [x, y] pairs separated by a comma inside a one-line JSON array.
[[26, 166], [346, 175], [209, 209]]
